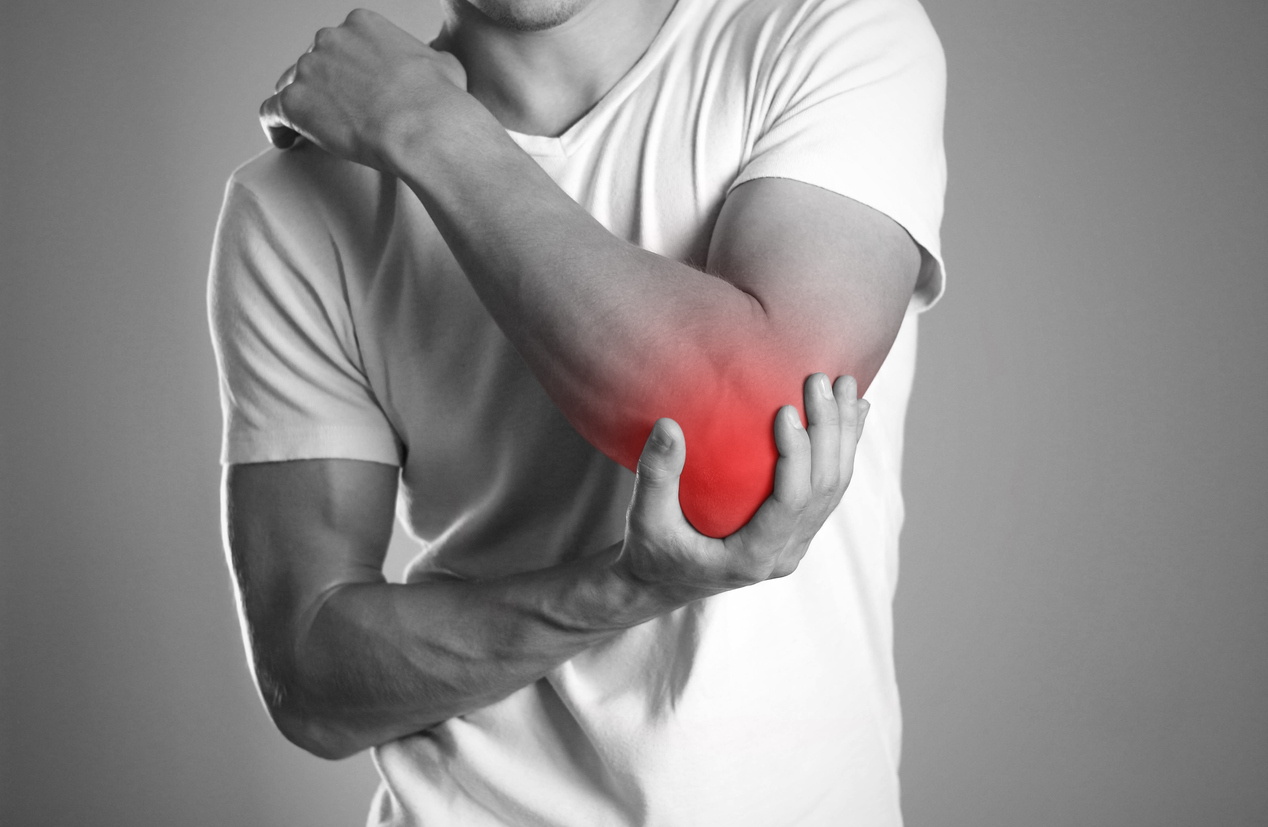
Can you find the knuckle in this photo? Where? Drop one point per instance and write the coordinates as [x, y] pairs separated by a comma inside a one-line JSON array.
[[797, 451], [834, 480], [323, 36], [784, 565], [789, 562], [828, 481], [783, 569], [358, 15], [797, 503], [844, 482], [650, 472], [828, 413]]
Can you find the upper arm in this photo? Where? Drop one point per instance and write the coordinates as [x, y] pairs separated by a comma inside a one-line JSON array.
[[834, 276], [831, 224], [294, 532], [835, 211], [292, 381]]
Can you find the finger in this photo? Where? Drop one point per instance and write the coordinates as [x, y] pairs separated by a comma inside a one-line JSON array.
[[852, 411], [792, 469], [824, 428], [364, 17], [775, 525], [287, 78], [453, 69], [659, 468], [849, 407], [279, 129], [791, 493], [443, 42]]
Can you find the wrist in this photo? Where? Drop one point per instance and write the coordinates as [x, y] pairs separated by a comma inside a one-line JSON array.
[[608, 597], [421, 136], [648, 598]]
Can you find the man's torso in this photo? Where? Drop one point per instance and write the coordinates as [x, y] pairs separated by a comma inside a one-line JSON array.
[[774, 704]]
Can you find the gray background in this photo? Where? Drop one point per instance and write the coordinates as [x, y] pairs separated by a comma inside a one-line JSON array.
[[1082, 622]]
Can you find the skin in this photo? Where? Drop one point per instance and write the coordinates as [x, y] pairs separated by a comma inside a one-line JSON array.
[[796, 278]]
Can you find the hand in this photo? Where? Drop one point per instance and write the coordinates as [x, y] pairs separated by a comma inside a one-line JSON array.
[[662, 550], [360, 89]]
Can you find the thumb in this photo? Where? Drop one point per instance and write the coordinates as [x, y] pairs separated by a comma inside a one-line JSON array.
[[275, 124], [450, 64], [659, 467], [454, 70]]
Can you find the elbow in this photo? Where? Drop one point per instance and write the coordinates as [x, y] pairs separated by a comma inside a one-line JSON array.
[[730, 469], [725, 395], [296, 709], [315, 738], [726, 407], [314, 732], [329, 736]]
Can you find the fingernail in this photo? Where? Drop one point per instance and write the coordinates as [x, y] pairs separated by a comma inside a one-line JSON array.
[[793, 417], [825, 387]]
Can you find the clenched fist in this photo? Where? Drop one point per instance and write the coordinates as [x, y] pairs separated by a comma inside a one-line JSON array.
[[362, 90]]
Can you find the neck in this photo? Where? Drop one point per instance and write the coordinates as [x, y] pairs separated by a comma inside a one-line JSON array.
[[542, 82]]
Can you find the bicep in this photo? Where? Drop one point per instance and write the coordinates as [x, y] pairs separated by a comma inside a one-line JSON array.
[[834, 276], [294, 532]]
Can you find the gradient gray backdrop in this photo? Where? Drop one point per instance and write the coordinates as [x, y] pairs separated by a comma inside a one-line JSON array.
[[1082, 618]]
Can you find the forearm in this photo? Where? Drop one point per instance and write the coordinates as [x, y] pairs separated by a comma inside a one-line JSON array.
[[379, 661], [617, 335], [574, 298]]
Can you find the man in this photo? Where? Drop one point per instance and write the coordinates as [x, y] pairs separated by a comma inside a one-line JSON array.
[[567, 236]]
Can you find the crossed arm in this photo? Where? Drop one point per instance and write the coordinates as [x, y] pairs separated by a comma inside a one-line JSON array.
[[798, 280]]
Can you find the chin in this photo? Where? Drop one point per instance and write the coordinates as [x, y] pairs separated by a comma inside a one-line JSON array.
[[529, 15]]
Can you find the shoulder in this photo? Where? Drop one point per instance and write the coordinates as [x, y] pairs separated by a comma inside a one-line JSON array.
[[294, 227], [304, 171], [857, 29], [302, 217], [859, 17], [303, 189]]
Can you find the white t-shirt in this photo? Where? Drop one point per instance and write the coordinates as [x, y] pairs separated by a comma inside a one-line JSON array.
[[345, 329]]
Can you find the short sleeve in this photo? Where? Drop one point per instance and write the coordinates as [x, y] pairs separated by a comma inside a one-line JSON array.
[[292, 385], [853, 102]]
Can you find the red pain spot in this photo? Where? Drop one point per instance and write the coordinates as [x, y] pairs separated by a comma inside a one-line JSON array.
[[731, 455]]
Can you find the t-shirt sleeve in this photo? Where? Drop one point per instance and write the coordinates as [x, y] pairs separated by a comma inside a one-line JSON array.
[[292, 384], [853, 102]]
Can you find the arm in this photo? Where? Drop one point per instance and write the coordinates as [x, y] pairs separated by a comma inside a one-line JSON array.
[[620, 336], [797, 279], [344, 660]]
